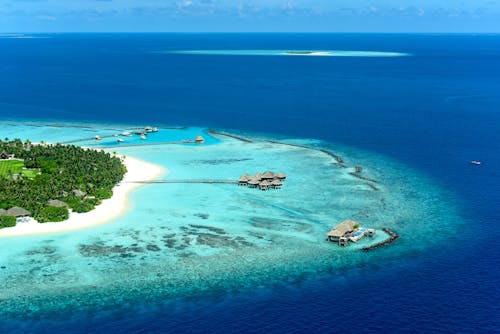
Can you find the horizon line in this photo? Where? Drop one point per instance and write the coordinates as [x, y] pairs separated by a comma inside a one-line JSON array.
[[250, 32]]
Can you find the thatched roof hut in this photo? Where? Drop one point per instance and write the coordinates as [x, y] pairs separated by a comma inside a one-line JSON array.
[[258, 176], [265, 183], [57, 203], [276, 183], [281, 176], [79, 193], [199, 139], [18, 212], [341, 229], [253, 181], [268, 175], [244, 179]]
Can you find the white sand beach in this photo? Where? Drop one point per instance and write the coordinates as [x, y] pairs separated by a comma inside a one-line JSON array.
[[137, 170]]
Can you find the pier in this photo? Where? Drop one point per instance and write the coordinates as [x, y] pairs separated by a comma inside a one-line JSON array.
[[208, 181], [393, 237], [85, 139]]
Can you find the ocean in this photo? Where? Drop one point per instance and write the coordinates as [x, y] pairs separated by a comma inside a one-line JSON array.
[[423, 115]]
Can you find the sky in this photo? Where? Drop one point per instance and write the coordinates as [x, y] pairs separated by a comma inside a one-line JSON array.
[[250, 16]]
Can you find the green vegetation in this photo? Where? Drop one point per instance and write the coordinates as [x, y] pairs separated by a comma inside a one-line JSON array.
[[13, 167], [53, 214], [79, 177], [7, 221]]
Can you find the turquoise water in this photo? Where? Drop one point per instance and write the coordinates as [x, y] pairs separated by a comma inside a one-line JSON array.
[[191, 239]]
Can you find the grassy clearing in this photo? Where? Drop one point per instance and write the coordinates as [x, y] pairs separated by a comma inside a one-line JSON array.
[[16, 167]]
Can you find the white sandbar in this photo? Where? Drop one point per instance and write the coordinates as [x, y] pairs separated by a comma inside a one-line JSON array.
[[108, 210]]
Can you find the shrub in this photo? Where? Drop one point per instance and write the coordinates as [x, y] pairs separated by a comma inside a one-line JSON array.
[[52, 214], [7, 221]]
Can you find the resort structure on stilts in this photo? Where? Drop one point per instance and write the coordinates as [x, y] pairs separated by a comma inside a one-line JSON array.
[[263, 181], [348, 231]]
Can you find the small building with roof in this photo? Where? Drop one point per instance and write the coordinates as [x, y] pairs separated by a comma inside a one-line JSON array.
[[17, 212], [5, 156], [341, 230], [264, 185], [268, 175], [276, 184], [79, 193], [281, 176], [199, 139], [57, 203], [243, 180], [253, 182]]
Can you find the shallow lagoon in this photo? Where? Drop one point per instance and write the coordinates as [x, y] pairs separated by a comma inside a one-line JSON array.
[[183, 240]]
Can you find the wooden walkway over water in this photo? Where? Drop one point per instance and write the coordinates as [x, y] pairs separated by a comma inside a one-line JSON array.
[[209, 181]]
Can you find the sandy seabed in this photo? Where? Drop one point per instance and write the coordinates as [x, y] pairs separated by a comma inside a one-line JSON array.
[[108, 210]]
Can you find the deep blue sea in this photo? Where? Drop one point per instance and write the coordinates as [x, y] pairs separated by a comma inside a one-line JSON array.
[[434, 110]]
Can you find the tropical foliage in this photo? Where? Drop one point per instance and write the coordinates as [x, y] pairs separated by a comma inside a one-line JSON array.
[[7, 221], [82, 178]]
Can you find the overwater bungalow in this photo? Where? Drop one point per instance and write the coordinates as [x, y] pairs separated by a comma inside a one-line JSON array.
[[126, 134], [148, 129], [253, 183], [268, 175], [341, 230], [199, 139], [348, 231], [243, 180], [281, 176], [143, 136], [258, 176], [276, 184], [264, 185]]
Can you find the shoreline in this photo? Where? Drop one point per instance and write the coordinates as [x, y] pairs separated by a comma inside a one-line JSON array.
[[108, 210]]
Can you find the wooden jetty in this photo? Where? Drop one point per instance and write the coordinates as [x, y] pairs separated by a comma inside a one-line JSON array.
[[209, 181]]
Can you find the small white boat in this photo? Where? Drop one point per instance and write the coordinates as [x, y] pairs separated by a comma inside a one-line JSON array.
[[120, 140], [115, 135], [474, 162], [148, 129], [155, 129], [98, 138], [143, 136], [126, 134]]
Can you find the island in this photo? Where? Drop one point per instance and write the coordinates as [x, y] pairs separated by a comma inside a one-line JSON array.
[[46, 181]]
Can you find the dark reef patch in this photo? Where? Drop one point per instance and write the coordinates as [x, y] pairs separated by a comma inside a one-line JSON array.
[[216, 230], [99, 249], [46, 250], [202, 215]]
